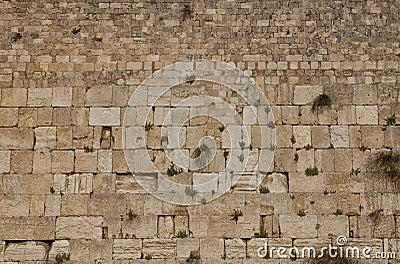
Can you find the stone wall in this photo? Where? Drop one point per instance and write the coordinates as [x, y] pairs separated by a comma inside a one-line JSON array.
[[68, 70]]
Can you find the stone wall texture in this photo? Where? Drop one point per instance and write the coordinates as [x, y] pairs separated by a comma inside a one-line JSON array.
[[68, 69]]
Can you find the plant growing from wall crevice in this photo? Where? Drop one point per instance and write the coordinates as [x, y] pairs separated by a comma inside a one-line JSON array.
[[321, 102]]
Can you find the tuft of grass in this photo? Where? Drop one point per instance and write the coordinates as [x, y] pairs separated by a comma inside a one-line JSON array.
[[240, 157], [235, 215], [173, 170], [221, 128], [52, 190], [307, 147], [321, 101], [263, 189], [61, 257], [386, 164], [190, 191], [16, 36], [355, 172], [193, 255], [131, 215], [338, 212], [203, 200], [363, 148], [75, 30], [271, 124], [181, 234], [262, 234], [376, 216], [190, 78], [391, 120], [148, 126], [301, 213], [310, 171], [326, 192], [242, 145], [88, 149], [148, 257]]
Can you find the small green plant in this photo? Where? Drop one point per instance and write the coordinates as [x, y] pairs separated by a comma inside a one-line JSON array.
[[190, 78], [272, 146], [338, 212], [301, 213], [190, 191], [148, 126], [75, 30], [16, 36], [52, 190], [241, 157], [386, 164], [61, 257], [242, 145], [391, 120], [203, 200], [235, 215], [271, 124], [173, 170], [296, 157], [293, 139], [262, 234], [131, 215], [263, 189], [148, 257], [267, 110], [181, 234], [320, 102], [355, 172], [311, 171], [363, 148], [88, 149], [221, 128], [376, 216], [193, 255], [307, 147]]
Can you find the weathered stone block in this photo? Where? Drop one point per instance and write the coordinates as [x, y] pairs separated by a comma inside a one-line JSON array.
[[159, 248], [5, 159], [85, 161], [27, 228], [26, 251], [187, 247], [367, 115], [74, 204], [16, 138], [295, 226], [9, 117], [332, 226], [84, 227], [99, 96], [211, 248], [104, 116], [302, 135], [62, 96], [14, 97], [305, 94], [340, 136], [235, 248], [320, 137], [21, 161], [45, 137], [58, 248], [127, 248], [62, 161], [40, 96]]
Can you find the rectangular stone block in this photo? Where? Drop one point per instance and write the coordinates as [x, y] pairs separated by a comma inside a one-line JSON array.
[[84, 227], [21, 161], [333, 225], [295, 226], [159, 248], [305, 94], [40, 96], [62, 161], [14, 97], [367, 115], [26, 251], [104, 116], [5, 159], [141, 226], [99, 96], [85, 161], [45, 137], [16, 138], [127, 248], [9, 117], [27, 228], [62, 96]]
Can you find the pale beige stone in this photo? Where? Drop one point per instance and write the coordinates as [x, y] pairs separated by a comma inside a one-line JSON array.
[[127, 248], [85, 161], [332, 226], [40, 96], [276, 183], [45, 137], [340, 136], [159, 248], [27, 228], [5, 160], [84, 227], [235, 248], [211, 248], [62, 96], [165, 227], [62, 161], [367, 115], [305, 94], [58, 248], [187, 247], [320, 137], [295, 226], [26, 251], [16, 138], [52, 205], [41, 161], [302, 135], [21, 161], [104, 116], [9, 117], [99, 96], [14, 97]]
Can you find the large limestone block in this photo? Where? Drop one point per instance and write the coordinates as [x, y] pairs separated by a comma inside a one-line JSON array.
[[9, 117], [235, 248], [141, 226], [305, 94], [62, 96], [27, 228], [26, 251], [14, 97], [5, 159], [102, 116], [211, 248], [40, 96], [79, 227], [295, 226], [187, 247], [159, 248], [367, 115], [127, 249], [332, 226], [45, 137], [16, 138], [58, 248]]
